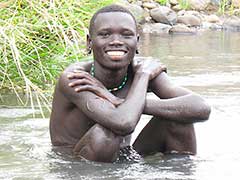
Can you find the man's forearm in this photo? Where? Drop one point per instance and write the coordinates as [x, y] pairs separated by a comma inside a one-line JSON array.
[[132, 107], [185, 109]]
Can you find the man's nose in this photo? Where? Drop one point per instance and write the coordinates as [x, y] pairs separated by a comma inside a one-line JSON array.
[[116, 40]]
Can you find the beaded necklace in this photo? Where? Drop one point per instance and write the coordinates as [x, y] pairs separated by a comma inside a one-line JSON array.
[[92, 72]]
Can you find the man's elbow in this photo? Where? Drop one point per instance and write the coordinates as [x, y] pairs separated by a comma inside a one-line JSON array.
[[125, 128], [204, 112]]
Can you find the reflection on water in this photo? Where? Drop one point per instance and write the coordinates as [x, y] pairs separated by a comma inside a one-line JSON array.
[[207, 63]]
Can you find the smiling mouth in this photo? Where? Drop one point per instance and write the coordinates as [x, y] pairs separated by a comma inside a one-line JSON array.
[[117, 54]]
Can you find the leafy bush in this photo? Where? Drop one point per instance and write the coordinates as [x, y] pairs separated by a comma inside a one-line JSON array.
[[39, 38]]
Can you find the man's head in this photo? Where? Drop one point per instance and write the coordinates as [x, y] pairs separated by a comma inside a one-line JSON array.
[[106, 9], [113, 37]]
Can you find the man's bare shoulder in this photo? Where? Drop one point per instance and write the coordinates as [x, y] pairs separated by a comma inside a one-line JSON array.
[[63, 81], [83, 66], [143, 58], [138, 59]]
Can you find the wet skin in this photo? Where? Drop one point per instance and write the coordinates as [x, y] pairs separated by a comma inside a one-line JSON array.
[[94, 122]]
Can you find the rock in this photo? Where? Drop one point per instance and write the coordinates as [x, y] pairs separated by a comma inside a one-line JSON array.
[[181, 13], [212, 26], [191, 12], [136, 10], [181, 29], [164, 15], [194, 13], [173, 2], [198, 4], [177, 7], [212, 19], [157, 28], [189, 20], [149, 5], [232, 23], [184, 12]]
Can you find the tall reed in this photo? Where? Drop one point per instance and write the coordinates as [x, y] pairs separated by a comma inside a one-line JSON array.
[[37, 40]]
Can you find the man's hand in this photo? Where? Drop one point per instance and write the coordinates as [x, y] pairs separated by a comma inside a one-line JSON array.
[[149, 66], [83, 81]]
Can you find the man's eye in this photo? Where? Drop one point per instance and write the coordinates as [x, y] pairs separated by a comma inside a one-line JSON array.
[[104, 34], [127, 35]]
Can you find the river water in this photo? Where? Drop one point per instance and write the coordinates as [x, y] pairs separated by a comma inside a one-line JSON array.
[[207, 63]]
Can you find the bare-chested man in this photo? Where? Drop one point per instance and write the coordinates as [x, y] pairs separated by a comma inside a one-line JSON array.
[[98, 104]]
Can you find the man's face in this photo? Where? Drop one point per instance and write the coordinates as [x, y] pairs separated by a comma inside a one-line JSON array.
[[114, 39]]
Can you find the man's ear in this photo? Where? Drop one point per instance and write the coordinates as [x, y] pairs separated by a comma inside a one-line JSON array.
[[89, 44], [138, 37]]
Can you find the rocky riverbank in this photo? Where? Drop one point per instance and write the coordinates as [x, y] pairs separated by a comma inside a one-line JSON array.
[[176, 17]]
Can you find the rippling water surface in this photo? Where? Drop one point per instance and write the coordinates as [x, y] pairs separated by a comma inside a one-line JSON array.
[[207, 63]]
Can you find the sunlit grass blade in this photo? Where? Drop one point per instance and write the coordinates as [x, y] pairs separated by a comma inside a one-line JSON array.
[[37, 40]]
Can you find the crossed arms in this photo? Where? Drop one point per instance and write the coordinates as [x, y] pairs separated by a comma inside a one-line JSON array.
[[121, 116]]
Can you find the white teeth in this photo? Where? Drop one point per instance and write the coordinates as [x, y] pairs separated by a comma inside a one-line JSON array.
[[115, 53]]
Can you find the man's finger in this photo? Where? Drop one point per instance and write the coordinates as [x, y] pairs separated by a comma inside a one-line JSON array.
[[80, 82], [78, 75], [84, 88], [77, 70]]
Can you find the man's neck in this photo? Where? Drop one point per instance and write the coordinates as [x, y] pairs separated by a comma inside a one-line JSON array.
[[110, 78]]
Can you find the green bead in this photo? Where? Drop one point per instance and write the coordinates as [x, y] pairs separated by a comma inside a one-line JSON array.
[[92, 72]]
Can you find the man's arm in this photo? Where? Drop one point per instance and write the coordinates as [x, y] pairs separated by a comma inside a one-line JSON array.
[[121, 119], [175, 103]]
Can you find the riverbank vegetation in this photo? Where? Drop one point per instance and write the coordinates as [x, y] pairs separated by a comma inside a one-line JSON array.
[[38, 39]]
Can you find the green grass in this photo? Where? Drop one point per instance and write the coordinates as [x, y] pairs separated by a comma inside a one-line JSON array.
[[38, 39], [162, 2], [223, 6], [226, 7], [184, 4]]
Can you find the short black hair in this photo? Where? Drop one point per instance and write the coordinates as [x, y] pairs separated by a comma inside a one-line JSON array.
[[110, 8]]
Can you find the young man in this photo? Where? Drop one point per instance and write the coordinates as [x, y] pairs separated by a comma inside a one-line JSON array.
[[97, 105]]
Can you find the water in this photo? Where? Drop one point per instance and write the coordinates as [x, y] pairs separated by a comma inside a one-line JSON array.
[[207, 63]]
